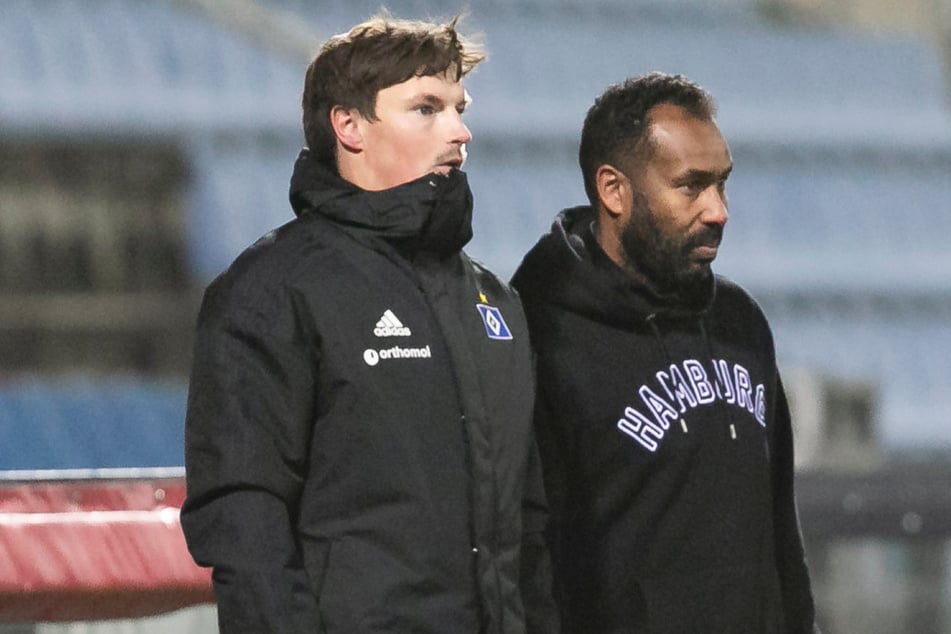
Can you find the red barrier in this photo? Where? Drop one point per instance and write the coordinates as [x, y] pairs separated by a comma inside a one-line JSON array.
[[93, 549]]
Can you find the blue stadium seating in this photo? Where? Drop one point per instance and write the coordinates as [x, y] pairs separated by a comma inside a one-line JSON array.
[[842, 145], [119, 67], [90, 423]]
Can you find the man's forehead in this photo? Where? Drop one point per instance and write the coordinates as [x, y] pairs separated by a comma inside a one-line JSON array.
[[426, 88], [679, 138]]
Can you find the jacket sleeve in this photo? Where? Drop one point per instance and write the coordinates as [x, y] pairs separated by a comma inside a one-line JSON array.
[[541, 612], [246, 440], [798, 607]]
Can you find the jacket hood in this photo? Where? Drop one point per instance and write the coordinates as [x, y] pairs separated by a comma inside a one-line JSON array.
[[567, 268], [431, 214]]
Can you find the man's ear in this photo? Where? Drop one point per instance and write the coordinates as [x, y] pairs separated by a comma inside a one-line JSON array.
[[345, 122], [614, 189]]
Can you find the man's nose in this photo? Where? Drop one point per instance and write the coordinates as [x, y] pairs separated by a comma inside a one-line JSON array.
[[460, 131], [715, 208]]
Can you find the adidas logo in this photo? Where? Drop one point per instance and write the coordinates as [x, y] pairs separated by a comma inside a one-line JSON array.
[[390, 326]]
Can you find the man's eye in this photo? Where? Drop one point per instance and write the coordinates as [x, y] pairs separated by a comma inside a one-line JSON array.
[[425, 109], [693, 188]]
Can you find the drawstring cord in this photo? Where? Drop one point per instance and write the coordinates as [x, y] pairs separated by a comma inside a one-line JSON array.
[[655, 330], [721, 389], [709, 344], [651, 321]]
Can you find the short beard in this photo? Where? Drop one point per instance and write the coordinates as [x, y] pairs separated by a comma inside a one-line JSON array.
[[661, 259]]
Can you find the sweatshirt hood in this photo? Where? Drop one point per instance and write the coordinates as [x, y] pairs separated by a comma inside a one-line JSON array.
[[567, 268], [432, 214]]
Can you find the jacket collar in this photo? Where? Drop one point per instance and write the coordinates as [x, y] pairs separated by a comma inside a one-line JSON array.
[[432, 214]]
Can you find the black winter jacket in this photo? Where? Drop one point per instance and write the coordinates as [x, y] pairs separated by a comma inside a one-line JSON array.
[[358, 435], [666, 445]]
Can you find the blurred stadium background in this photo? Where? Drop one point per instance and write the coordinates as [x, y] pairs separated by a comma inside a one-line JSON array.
[[143, 144]]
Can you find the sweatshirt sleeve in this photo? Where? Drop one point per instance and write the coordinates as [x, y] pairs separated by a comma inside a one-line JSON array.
[[790, 556], [246, 437]]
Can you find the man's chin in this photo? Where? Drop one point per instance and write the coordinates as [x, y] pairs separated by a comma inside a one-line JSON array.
[[446, 169], [700, 275], [694, 281]]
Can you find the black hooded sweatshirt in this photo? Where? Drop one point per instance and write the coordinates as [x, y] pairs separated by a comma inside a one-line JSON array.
[[358, 436], [666, 447]]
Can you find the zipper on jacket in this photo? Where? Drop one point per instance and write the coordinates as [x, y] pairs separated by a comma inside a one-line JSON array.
[[467, 446]]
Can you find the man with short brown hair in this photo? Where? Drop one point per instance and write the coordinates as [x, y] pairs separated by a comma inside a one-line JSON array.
[[359, 446]]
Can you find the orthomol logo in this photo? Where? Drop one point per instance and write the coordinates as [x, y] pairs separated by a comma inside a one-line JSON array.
[[373, 357]]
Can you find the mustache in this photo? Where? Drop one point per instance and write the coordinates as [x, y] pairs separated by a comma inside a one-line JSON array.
[[458, 155], [706, 236]]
